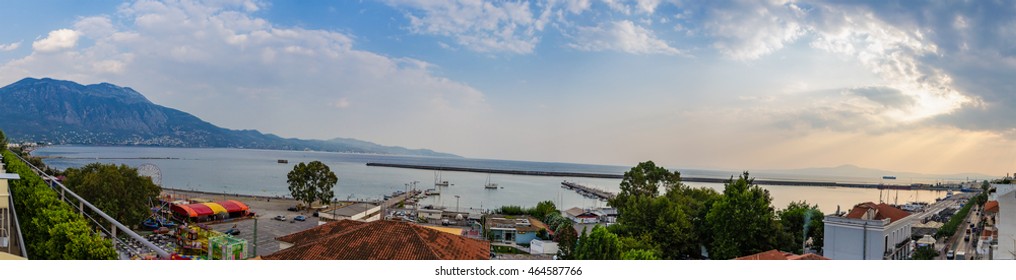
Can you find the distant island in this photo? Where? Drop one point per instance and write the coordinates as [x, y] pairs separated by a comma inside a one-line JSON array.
[[64, 112]]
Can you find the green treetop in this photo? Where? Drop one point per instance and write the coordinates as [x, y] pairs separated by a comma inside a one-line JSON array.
[[312, 182]]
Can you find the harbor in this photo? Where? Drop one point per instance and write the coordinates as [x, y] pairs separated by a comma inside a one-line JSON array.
[[587, 191]]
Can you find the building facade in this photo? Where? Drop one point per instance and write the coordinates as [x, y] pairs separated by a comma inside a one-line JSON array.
[[869, 232], [1005, 222]]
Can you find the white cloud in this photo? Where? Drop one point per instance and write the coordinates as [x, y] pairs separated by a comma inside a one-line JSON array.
[[342, 103], [9, 47], [752, 29], [577, 6], [479, 26], [57, 40], [617, 6], [648, 6], [623, 36], [892, 53]]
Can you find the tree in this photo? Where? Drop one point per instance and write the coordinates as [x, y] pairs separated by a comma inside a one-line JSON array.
[[798, 220], [600, 244], [639, 189], [565, 236], [51, 229], [674, 223], [119, 191], [742, 220], [312, 182], [645, 180], [3, 141], [925, 253], [639, 255], [543, 209]]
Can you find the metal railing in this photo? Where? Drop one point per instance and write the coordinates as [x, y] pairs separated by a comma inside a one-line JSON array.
[[63, 191], [17, 225]]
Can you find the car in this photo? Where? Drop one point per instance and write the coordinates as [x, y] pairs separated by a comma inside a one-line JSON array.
[[293, 209], [300, 218], [950, 255], [233, 231], [280, 218]]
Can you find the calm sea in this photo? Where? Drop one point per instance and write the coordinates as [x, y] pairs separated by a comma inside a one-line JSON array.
[[257, 172]]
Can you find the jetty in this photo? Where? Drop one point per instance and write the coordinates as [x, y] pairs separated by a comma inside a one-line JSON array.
[[588, 191]]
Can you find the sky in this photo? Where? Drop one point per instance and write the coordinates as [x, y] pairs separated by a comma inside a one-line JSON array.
[[916, 86]]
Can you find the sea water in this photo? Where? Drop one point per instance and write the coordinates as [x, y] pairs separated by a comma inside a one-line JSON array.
[[257, 172]]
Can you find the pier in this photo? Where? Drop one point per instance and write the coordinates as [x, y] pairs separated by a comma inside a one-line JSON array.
[[587, 191]]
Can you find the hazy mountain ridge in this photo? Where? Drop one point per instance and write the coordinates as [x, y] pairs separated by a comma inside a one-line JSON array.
[[65, 112], [848, 170]]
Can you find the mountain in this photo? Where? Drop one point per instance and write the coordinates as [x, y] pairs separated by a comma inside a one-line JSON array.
[[64, 112]]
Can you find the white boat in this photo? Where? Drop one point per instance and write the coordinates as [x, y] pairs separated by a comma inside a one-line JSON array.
[[437, 180], [489, 185]]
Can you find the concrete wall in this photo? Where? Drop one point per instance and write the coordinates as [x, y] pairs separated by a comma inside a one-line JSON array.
[[1006, 224], [543, 247]]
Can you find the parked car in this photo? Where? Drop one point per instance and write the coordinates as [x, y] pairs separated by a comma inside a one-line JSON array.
[[293, 209], [280, 218], [300, 218], [233, 231]]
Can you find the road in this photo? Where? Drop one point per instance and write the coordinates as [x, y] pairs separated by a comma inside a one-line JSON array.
[[942, 243], [956, 242]]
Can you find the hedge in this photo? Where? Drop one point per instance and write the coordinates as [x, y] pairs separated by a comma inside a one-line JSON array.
[[52, 230]]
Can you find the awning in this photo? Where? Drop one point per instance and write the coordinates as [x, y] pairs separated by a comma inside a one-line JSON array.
[[233, 206], [215, 207], [192, 210]]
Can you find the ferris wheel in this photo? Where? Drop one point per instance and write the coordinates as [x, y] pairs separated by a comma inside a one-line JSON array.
[[152, 171]]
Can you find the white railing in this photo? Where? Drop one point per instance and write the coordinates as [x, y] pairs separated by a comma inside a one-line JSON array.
[[63, 191]]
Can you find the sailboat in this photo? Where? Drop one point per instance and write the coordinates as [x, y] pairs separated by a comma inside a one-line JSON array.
[[489, 185], [437, 180]]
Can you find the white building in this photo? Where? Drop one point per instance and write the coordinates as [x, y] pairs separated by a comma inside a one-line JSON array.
[[581, 216], [1005, 221], [869, 232]]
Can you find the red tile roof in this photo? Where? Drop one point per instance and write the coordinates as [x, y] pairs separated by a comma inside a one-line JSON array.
[[991, 206], [809, 257], [318, 232], [386, 240], [881, 211], [781, 256]]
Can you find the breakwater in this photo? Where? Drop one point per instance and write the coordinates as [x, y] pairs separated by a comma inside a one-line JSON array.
[[621, 176]]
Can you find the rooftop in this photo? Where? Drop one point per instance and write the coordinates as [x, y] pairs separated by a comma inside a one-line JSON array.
[[872, 211], [991, 206], [318, 232], [782, 256], [384, 240]]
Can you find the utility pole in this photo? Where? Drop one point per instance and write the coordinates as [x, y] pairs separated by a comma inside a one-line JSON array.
[[255, 236]]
